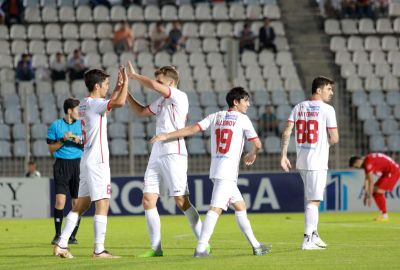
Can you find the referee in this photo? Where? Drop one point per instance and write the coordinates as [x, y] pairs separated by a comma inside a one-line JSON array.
[[64, 139]]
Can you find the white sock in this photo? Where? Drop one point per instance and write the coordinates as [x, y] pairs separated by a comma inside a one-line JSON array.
[[244, 225], [70, 223], [310, 218], [154, 228], [100, 228], [194, 219], [207, 230], [316, 219]]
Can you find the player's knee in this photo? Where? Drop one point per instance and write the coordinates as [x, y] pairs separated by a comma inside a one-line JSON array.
[[182, 202], [148, 203]]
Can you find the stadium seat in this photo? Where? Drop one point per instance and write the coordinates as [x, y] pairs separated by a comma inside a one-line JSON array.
[[4, 132], [390, 83], [162, 59], [382, 69], [40, 148], [140, 147], [101, 14], [382, 112], [5, 149], [135, 13], [220, 12], [224, 29], [278, 97], [104, 30], [180, 59], [272, 11], [365, 112], [48, 115], [152, 13], [4, 47], [237, 12], [67, 14], [84, 14], [169, 13], [296, 97], [19, 148], [186, 12], [377, 143], [393, 98], [390, 127], [332, 27], [4, 32], [52, 31], [32, 15], [371, 127], [36, 47], [39, 131], [140, 30], [366, 26], [292, 84], [71, 45], [203, 12], [89, 46], [117, 131], [272, 145], [190, 30], [337, 43], [349, 26], [257, 84], [193, 45], [87, 31], [35, 31], [19, 131], [377, 57], [141, 45], [384, 26], [376, 98], [118, 14], [365, 70], [389, 43], [123, 115], [17, 31], [105, 46], [372, 43], [393, 143], [195, 146], [49, 14], [393, 57], [110, 59], [70, 31], [275, 84], [360, 57]]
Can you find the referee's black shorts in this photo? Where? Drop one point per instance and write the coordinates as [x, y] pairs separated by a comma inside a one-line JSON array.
[[66, 176]]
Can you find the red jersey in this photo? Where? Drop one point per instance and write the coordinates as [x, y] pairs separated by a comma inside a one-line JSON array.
[[378, 163]]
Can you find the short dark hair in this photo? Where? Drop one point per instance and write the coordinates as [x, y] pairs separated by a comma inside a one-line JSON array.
[[319, 82], [353, 160], [70, 103], [236, 93], [94, 76], [169, 72]]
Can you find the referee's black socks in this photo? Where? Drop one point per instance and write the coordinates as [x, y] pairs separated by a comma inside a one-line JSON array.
[[58, 218]]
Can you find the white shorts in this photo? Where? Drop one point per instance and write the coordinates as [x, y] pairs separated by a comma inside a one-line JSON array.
[[225, 192], [314, 184], [95, 181], [170, 170]]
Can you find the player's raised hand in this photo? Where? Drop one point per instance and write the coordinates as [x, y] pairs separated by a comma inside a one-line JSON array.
[[159, 138], [131, 71], [120, 80], [249, 159], [285, 164], [124, 74]]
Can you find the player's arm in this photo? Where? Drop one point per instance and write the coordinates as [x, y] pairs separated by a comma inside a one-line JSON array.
[[118, 86], [285, 162], [147, 82], [120, 96], [333, 136], [54, 145], [183, 132], [250, 157], [368, 188], [138, 108]]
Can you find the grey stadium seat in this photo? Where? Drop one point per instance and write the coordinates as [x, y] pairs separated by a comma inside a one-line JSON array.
[[5, 149], [390, 127], [119, 147], [371, 127], [377, 143], [19, 148], [4, 132], [40, 148], [196, 146], [272, 145]]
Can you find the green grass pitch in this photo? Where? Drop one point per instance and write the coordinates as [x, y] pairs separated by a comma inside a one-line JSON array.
[[354, 242]]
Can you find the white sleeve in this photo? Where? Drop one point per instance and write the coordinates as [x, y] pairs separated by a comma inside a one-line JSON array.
[[153, 107], [291, 116], [331, 118], [249, 130], [100, 105], [206, 122]]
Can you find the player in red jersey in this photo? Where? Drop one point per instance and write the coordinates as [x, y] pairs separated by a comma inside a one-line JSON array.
[[389, 171]]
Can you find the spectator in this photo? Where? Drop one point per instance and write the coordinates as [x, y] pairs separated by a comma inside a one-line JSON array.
[[246, 39], [123, 38], [348, 8], [76, 66], [13, 10], [381, 7], [24, 71], [58, 67], [268, 123], [267, 36], [158, 37], [95, 3], [2, 17], [32, 170], [364, 8], [176, 40], [127, 3]]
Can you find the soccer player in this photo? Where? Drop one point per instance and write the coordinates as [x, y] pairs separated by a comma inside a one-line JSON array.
[[94, 167], [389, 172], [65, 143], [168, 161], [316, 130], [229, 129]]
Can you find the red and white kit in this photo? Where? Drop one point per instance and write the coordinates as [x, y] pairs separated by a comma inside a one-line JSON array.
[[384, 166]]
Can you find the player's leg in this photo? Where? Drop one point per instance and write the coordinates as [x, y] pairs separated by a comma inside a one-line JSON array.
[[244, 223], [73, 189], [314, 184], [151, 193], [220, 200], [174, 174], [384, 183], [61, 188]]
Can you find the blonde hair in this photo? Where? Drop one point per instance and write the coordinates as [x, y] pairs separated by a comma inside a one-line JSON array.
[[169, 72]]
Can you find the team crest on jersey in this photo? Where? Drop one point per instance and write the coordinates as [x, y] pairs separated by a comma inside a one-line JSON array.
[[313, 108], [231, 117]]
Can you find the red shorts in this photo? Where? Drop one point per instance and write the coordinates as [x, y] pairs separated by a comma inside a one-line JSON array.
[[388, 181]]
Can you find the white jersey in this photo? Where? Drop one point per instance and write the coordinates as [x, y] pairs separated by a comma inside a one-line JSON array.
[[312, 119], [94, 130], [171, 114], [228, 131]]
